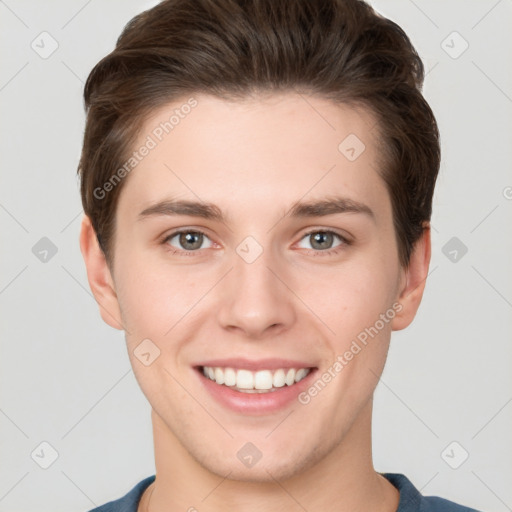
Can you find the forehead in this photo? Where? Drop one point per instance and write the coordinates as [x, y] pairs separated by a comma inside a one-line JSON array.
[[260, 151]]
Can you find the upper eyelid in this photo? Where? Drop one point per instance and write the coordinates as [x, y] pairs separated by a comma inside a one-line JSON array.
[[324, 230]]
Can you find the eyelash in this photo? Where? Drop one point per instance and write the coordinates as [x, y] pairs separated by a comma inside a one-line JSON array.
[[327, 252]]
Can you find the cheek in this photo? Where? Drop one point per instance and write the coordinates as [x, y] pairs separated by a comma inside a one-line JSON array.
[[359, 311], [153, 296], [352, 298]]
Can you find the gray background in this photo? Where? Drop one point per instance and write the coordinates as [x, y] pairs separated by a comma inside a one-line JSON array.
[[65, 376]]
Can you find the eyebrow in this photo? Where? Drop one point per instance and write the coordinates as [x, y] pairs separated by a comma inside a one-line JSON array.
[[315, 208]]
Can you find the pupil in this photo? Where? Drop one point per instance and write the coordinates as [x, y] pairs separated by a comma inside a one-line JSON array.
[[188, 238], [321, 237]]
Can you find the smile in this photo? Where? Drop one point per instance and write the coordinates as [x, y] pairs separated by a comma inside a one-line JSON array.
[[251, 387], [261, 381]]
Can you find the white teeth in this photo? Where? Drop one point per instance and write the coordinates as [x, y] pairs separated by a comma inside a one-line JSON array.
[[244, 379], [262, 381], [229, 377], [279, 379], [290, 377], [300, 374], [219, 376]]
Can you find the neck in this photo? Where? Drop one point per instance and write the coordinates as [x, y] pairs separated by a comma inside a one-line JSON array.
[[342, 481]]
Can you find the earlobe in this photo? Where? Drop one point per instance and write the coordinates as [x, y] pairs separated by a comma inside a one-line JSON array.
[[99, 276], [414, 281]]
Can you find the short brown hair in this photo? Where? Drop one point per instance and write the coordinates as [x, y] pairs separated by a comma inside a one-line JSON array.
[[339, 49]]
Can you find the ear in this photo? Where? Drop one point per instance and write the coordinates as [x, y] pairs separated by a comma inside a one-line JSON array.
[[98, 275], [413, 281]]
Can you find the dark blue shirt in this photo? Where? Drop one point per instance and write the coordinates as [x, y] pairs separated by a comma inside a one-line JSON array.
[[410, 498]]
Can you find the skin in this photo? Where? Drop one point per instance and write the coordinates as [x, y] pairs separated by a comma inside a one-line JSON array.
[[254, 159]]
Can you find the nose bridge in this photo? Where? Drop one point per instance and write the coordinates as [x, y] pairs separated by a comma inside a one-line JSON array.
[[256, 299]]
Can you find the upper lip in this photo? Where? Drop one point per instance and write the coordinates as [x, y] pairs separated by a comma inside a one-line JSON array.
[[255, 365]]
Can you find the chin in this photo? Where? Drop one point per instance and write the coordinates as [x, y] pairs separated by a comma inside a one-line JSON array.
[[267, 469]]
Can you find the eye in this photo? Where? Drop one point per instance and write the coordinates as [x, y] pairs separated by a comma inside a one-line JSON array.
[[321, 241], [187, 240], [191, 241]]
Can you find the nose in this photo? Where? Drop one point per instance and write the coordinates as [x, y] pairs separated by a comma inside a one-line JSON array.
[[255, 299]]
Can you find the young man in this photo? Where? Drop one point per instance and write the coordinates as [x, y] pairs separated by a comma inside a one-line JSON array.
[[257, 181]]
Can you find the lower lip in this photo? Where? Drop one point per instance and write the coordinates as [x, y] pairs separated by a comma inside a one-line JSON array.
[[255, 403]]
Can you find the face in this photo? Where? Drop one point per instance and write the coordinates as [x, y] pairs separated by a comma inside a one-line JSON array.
[[256, 279]]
